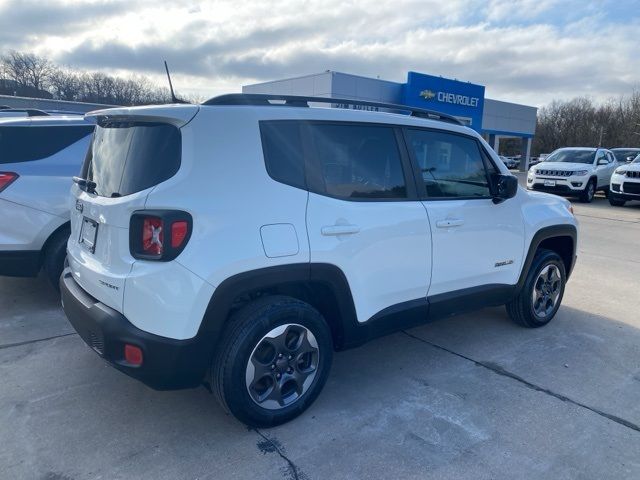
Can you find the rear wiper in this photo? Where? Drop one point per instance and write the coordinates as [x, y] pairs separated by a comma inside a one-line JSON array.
[[86, 185]]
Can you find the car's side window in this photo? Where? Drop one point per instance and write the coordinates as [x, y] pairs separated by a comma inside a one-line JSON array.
[[283, 152], [451, 165], [601, 156], [356, 161], [610, 157]]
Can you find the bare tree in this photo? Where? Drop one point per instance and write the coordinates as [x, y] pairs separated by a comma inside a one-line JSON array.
[[65, 84], [27, 69]]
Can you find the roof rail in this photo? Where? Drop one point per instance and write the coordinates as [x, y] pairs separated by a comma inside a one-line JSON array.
[[31, 112], [300, 101]]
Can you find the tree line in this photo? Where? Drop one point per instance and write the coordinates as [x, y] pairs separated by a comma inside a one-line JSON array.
[[581, 122], [27, 74]]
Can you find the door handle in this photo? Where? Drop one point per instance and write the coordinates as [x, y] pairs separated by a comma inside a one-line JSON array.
[[332, 230], [449, 222]]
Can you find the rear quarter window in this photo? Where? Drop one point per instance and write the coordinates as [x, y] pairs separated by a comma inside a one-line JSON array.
[[283, 151], [29, 143]]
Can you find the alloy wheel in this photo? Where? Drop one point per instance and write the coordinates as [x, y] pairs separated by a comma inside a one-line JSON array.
[[282, 366], [546, 291]]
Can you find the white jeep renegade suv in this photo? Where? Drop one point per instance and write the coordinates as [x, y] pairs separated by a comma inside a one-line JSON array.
[[238, 243]]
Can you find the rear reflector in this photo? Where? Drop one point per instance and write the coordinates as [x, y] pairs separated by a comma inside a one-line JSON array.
[[6, 179], [133, 355]]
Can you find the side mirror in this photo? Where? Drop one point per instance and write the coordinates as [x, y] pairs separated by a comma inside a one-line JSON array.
[[630, 158], [504, 187], [603, 161]]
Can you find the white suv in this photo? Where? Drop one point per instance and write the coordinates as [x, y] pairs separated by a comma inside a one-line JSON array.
[[38, 157], [238, 243], [625, 183], [574, 171]]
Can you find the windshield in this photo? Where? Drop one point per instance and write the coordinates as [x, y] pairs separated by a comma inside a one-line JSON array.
[[572, 156], [127, 157]]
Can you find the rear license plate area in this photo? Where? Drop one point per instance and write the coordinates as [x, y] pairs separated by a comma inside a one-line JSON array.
[[88, 234]]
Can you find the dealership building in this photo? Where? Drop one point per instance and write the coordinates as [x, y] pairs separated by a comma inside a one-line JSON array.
[[493, 119]]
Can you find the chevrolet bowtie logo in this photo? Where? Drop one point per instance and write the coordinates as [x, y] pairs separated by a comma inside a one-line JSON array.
[[427, 94]]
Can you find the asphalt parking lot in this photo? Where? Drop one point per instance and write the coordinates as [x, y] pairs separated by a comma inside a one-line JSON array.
[[473, 396]]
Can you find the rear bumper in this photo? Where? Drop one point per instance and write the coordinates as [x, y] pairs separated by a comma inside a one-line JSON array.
[[20, 263], [167, 364]]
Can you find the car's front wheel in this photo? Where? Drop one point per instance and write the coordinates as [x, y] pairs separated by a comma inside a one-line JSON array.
[[272, 361], [589, 192], [539, 299]]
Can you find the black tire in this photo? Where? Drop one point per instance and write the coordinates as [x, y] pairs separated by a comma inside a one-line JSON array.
[[616, 202], [589, 192], [240, 344], [522, 309], [55, 254]]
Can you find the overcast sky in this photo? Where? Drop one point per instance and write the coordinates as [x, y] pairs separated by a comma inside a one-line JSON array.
[[528, 51]]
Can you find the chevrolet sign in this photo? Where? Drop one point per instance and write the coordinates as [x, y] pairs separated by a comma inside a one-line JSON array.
[[450, 98]]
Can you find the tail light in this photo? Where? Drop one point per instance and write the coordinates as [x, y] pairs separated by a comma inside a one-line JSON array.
[[6, 179], [159, 234]]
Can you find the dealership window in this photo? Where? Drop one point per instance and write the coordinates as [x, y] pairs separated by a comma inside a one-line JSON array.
[[357, 161], [451, 165]]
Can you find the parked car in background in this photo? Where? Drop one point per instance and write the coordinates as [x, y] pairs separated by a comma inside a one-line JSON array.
[[625, 183], [38, 158], [509, 162], [542, 157], [533, 161], [177, 279], [625, 155], [574, 171]]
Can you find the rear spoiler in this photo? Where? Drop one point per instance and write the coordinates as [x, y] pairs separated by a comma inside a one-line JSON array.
[[178, 115]]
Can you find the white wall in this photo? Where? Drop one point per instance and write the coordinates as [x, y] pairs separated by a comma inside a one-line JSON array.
[[508, 117], [317, 85]]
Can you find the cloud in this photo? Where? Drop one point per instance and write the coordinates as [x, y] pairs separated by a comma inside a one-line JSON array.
[[28, 19], [522, 50]]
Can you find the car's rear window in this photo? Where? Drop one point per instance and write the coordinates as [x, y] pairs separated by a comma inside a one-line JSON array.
[[128, 157], [29, 143]]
